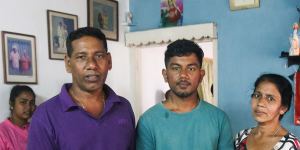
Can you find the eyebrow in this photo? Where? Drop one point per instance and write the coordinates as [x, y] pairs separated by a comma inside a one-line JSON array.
[[96, 52], [26, 99], [101, 52], [193, 64], [79, 53], [174, 64], [266, 94]]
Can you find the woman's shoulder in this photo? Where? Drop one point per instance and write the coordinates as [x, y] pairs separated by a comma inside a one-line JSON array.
[[243, 133], [289, 141], [5, 124], [293, 138], [240, 138]]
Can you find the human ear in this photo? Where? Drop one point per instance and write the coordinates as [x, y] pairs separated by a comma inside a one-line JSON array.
[[283, 110], [67, 64], [202, 73], [109, 61], [164, 73], [11, 106]]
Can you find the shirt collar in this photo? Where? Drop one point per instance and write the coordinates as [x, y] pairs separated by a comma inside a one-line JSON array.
[[68, 103]]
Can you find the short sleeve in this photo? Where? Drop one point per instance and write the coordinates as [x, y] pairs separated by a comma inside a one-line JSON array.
[[144, 140], [40, 133], [226, 137]]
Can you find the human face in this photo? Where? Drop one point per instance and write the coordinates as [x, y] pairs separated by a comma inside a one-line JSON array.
[[266, 103], [183, 75], [88, 64], [23, 107]]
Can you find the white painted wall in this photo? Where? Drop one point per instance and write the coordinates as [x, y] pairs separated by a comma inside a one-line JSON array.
[[30, 17]]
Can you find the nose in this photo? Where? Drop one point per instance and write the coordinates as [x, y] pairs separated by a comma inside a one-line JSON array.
[[28, 105], [91, 63], [261, 101], [183, 73]]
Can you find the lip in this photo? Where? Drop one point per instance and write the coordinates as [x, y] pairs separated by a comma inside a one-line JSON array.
[[183, 84], [259, 112], [92, 77], [27, 113]]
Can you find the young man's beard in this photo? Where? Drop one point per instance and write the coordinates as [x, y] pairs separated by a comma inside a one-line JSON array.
[[182, 94]]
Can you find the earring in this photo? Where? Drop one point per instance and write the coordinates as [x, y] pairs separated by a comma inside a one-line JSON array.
[[11, 108]]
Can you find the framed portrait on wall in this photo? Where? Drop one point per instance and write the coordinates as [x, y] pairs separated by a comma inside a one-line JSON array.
[[103, 14], [243, 4], [59, 26], [19, 58], [171, 13]]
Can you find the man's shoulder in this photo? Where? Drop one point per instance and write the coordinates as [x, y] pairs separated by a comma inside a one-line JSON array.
[[56, 102], [123, 99], [151, 115], [115, 97], [212, 111], [51, 104], [210, 107], [153, 111]]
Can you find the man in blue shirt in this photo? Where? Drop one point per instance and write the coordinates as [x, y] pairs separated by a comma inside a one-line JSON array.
[[183, 121], [86, 114]]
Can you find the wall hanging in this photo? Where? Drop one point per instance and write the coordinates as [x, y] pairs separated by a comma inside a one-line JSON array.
[[19, 56], [103, 14], [59, 26], [171, 13]]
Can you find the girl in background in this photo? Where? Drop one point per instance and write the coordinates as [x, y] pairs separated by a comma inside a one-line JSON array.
[[14, 130]]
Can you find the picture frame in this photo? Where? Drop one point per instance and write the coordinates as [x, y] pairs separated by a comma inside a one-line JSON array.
[[171, 13], [19, 58], [60, 24], [103, 14], [243, 4]]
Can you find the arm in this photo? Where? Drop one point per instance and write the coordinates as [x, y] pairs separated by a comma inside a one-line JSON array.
[[144, 140], [40, 133], [132, 143], [225, 138], [2, 143]]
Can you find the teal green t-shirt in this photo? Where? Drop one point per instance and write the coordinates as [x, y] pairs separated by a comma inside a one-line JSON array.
[[206, 127]]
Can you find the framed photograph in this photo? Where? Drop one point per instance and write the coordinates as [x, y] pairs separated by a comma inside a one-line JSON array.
[[243, 4], [19, 56], [103, 14], [59, 26], [171, 13]]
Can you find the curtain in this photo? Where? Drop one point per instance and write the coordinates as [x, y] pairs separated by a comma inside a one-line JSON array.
[[205, 90]]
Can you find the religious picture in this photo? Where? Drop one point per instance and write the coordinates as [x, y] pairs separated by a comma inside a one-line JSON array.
[[171, 13]]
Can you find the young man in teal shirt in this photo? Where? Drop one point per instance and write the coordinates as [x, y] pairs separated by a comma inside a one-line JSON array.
[[183, 122]]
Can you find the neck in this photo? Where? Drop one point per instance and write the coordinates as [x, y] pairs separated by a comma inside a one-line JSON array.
[[93, 103], [181, 105], [81, 96], [268, 129], [19, 122]]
